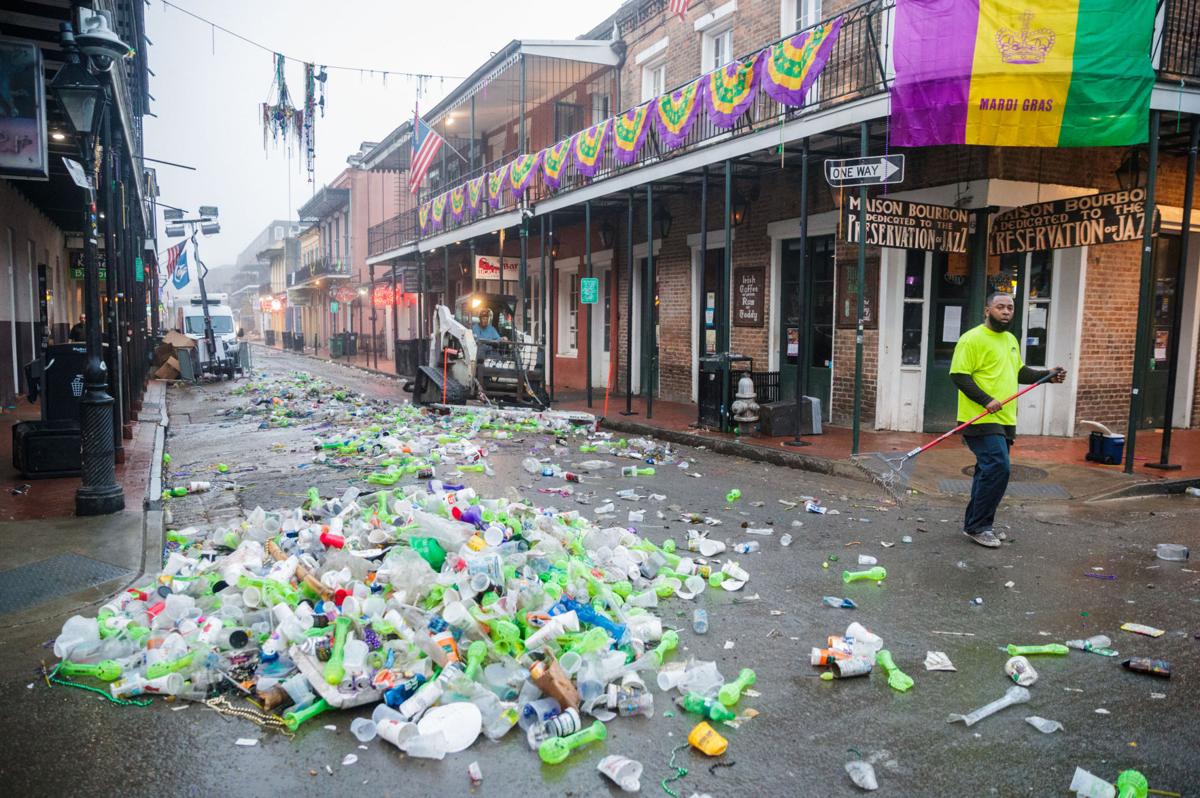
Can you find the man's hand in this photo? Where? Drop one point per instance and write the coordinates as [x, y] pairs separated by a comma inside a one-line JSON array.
[[994, 406], [1060, 374]]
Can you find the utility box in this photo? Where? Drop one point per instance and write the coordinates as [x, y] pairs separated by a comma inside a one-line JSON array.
[[778, 419]]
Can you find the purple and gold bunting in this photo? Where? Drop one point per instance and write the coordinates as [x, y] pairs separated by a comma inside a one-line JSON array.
[[497, 181], [458, 202], [676, 112], [728, 91], [437, 213], [554, 163], [423, 216], [475, 192], [587, 147], [522, 170], [629, 133], [793, 65]]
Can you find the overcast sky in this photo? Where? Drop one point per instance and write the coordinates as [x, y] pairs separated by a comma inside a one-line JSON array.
[[208, 87]]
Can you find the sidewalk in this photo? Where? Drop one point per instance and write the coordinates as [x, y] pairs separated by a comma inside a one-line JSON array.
[[1044, 467], [52, 562]]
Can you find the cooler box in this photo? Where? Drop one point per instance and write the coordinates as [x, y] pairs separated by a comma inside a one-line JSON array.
[[1107, 449], [44, 449]]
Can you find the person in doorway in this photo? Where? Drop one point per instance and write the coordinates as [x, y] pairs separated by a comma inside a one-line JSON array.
[[78, 331], [483, 329], [986, 369]]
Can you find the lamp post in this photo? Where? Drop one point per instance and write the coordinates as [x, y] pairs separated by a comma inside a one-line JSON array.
[[84, 99]]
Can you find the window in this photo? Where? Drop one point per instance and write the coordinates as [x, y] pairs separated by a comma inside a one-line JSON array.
[[913, 321], [573, 314], [568, 119], [718, 49], [567, 325], [654, 80], [601, 108], [1041, 273], [804, 14], [278, 232], [604, 289]]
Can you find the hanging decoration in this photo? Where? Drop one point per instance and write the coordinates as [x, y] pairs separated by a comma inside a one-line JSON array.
[[793, 65], [522, 170], [437, 212], [496, 182], [310, 116], [676, 112], [423, 216], [587, 147], [554, 163], [629, 133], [382, 296], [475, 190], [280, 120], [458, 203], [728, 91]]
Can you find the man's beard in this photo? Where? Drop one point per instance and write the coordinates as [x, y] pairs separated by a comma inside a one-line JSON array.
[[998, 325]]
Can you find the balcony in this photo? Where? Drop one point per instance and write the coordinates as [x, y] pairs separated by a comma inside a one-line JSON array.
[[859, 68], [317, 270]]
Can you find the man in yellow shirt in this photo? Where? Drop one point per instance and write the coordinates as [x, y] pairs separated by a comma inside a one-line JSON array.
[[986, 369]]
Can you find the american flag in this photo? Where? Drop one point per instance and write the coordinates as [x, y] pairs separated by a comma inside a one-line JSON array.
[[677, 7], [426, 144], [173, 258]]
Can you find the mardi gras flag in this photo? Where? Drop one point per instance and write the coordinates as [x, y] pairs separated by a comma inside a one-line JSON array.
[[475, 189], [728, 91], [587, 146], [437, 213], [458, 202], [629, 133], [497, 181], [554, 163], [1075, 73], [520, 174], [792, 66], [676, 112], [423, 216]]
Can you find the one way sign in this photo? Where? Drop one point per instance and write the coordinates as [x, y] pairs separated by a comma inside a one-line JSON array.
[[873, 171]]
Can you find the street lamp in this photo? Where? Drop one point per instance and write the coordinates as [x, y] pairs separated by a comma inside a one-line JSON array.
[[84, 99]]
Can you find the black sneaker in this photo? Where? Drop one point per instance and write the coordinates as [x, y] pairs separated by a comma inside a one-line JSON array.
[[984, 537]]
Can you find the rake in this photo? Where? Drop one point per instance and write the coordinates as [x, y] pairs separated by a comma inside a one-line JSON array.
[[894, 471]]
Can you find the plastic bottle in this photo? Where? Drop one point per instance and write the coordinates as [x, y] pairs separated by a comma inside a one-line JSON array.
[[634, 471], [839, 603], [531, 465], [706, 707], [747, 547], [1154, 667], [700, 621], [1172, 552]]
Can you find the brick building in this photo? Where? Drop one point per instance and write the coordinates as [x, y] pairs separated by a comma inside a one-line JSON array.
[[699, 247]]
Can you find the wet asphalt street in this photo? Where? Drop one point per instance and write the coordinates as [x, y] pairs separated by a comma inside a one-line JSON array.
[[1068, 571]]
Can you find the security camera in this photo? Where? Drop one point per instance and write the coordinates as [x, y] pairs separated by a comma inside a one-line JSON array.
[[526, 213], [97, 40]]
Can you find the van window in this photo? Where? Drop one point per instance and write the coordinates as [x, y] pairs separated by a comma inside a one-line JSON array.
[[194, 325]]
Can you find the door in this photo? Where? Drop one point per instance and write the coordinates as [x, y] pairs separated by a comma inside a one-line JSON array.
[[602, 330], [948, 299], [1156, 367], [646, 307], [807, 328]]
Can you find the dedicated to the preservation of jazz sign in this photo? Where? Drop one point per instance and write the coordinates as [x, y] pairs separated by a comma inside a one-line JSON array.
[[907, 225], [1074, 222]]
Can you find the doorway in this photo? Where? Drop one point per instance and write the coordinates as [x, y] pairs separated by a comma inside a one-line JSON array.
[[602, 329], [1156, 368], [948, 299], [806, 332]]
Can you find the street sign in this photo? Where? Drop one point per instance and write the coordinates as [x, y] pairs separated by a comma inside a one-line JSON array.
[[873, 171], [589, 290], [333, 306]]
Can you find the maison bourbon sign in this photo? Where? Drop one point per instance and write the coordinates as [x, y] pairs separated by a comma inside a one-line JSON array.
[[1073, 222], [748, 296], [907, 225]]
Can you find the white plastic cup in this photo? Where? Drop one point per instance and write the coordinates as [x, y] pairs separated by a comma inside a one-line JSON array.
[[374, 606], [694, 584], [363, 729], [351, 607], [252, 597], [354, 655]]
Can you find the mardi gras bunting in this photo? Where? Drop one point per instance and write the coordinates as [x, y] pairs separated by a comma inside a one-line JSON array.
[[458, 202], [587, 146], [520, 174], [629, 133], [475, 191], [437, 213], [676, 112], [496, 183], [728, 91], [554, 163], [792, 66], [423, 216]]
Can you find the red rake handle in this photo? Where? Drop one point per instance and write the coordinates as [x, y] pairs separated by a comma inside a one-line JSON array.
[[968, 423]]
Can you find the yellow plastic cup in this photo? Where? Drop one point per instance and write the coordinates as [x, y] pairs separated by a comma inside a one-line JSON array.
[[705, 739]]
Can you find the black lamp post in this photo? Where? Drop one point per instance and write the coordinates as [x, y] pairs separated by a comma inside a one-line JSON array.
[[84, 100]]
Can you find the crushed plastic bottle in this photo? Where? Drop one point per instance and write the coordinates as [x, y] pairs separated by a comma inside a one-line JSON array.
[[700, 621], [862, 774]]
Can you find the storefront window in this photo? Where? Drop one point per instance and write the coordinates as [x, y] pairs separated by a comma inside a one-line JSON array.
[[914, 275], [913, 322], [1041, 266]]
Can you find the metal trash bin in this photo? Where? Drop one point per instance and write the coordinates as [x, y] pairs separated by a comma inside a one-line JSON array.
[[287, 339], [269, 337], [351, 344], [298, 341], [337, 345], [410, 353]]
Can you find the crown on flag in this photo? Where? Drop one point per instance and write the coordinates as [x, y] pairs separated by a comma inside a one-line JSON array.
[[1025, 46]]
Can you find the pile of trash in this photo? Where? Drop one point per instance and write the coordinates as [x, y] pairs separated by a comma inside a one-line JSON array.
[[166, 355], [449, 614]]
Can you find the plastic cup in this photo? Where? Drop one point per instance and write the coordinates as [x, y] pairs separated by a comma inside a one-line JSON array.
[[364, 729], [354, 655]]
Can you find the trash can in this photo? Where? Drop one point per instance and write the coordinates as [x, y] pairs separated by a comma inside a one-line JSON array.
[[269, 337], [62, 381], [336, 345], [298, 341], [716, 371], [410, 353], [351, 344], [287, 339]]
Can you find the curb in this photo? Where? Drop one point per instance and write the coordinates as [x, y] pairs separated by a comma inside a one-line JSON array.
[[1138, 490], [803, 462]]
